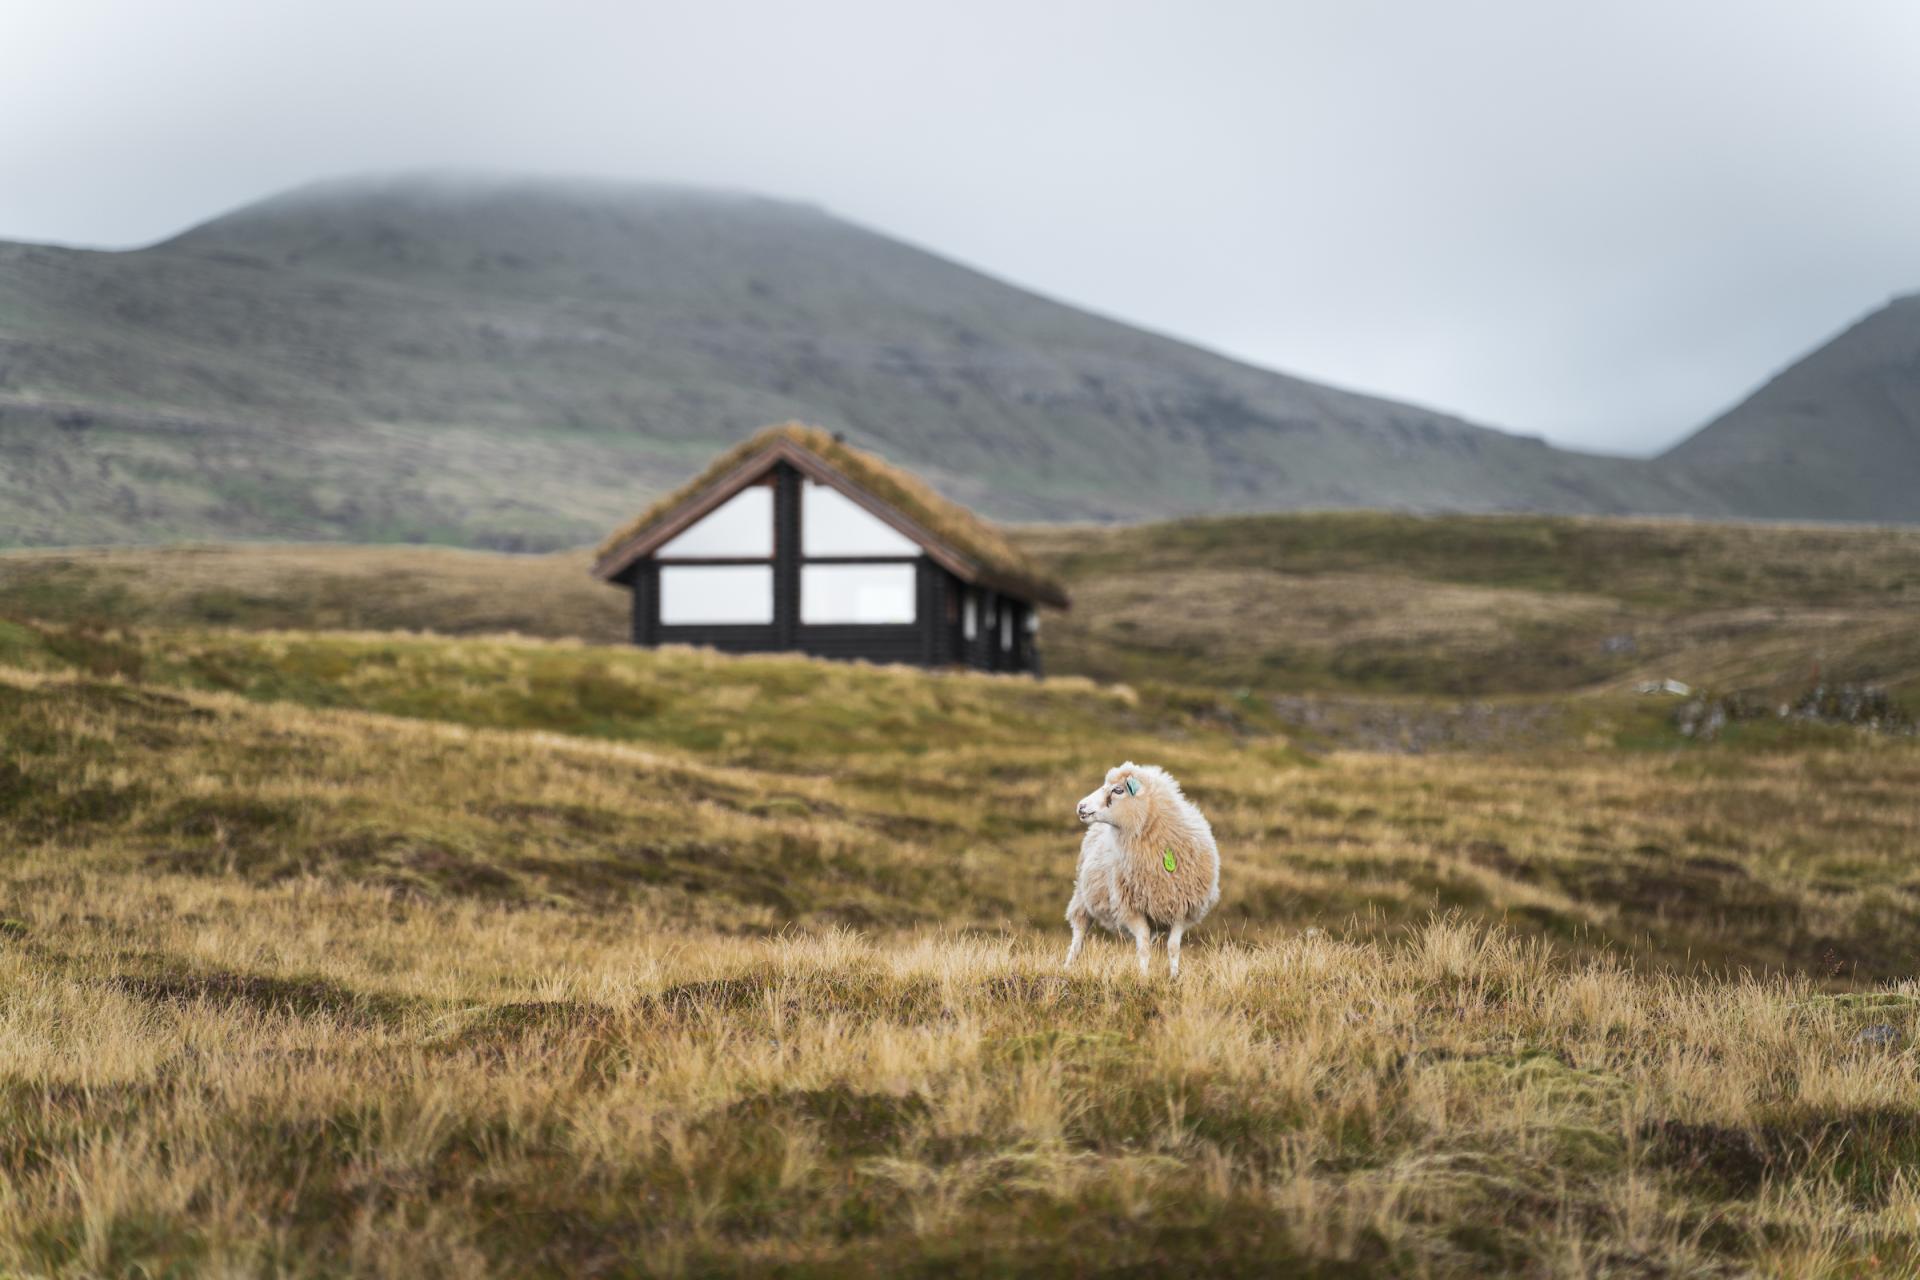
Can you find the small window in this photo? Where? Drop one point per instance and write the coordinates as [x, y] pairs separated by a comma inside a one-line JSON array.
[[716, 595], [970, 618], [742, 527], [832, 524], [857, 593], [1033, 622], [1006, 629]]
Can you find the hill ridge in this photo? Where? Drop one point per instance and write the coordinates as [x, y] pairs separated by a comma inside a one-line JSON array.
[[524, 362], [1833, 435]]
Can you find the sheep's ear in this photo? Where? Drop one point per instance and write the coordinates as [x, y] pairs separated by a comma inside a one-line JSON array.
[[1133, 787]]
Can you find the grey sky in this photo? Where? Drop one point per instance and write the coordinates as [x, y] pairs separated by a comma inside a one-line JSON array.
[[1599, 223]]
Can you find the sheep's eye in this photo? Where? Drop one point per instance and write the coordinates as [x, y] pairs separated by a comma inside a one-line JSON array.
[[1122, 787]]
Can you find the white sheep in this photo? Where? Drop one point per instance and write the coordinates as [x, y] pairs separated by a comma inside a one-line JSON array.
[[1148, 859]]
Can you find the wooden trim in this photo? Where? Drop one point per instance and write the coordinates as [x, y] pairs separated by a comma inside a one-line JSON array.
[[671, 630], [644, 582], [786, 545]]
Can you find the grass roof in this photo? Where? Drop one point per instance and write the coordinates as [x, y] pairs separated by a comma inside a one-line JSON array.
[[1000, 564]]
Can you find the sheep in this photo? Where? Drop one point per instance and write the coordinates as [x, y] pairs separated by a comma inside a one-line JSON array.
[[1148, 859]]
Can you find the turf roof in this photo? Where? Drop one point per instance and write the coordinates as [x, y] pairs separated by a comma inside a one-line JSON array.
[[995, 562]]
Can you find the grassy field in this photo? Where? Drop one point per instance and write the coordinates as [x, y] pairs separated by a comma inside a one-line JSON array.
[[1485, 606], [1343, 603], [362, 952]]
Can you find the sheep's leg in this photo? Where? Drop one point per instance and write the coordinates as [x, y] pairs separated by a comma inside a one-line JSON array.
[[1173, 949], [1077, 917], [1142, 940]]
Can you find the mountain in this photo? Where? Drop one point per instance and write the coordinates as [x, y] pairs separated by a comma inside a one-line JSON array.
[[523, 363], [1835, 436]]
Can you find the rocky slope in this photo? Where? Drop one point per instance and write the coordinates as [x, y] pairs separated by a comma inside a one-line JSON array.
[[1835, 436], [523, 363]]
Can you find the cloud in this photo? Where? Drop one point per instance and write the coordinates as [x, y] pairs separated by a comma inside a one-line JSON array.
[[1599, 223]]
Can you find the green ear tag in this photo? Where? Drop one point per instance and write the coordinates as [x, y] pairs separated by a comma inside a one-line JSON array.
[[1166, 860], [1133, 788]]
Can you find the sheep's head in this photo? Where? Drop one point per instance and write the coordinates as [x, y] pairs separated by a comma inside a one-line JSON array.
[[1120, 800]]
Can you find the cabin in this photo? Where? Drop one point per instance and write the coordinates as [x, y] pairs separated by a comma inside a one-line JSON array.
[[796, 541]]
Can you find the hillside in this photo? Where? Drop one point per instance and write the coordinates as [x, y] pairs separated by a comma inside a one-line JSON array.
[[521, 364], [1485, 606], [405, 956], [1338, 603], [1835, 436], [467, 769]]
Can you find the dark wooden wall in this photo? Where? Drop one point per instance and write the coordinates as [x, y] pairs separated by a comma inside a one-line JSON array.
[[986, 651], [935, 640]]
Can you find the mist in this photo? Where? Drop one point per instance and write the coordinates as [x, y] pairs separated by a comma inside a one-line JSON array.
[[1601, 225]]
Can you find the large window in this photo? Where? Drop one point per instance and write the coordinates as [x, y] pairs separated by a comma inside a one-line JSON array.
[[854, 569], [860, 593], [741, 527], [832, 524], [882, 589], [718, 571], [716, 595]]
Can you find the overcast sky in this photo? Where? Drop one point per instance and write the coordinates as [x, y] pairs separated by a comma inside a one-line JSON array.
[[1601, 223]]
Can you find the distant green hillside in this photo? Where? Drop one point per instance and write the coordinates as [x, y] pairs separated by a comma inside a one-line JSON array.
[[1456, 606], [1485, 605], [521, 364]]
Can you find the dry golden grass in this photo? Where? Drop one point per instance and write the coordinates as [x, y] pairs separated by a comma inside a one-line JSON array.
[[321, 587], [1456, 606], [889, 796], [301, 990], [208, 1077], [1483, 605], [359, 953]]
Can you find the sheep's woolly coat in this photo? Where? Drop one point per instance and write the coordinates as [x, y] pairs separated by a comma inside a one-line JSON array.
[[1123, 861]]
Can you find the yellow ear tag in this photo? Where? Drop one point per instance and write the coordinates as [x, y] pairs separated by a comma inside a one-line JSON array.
[[1166, 860]]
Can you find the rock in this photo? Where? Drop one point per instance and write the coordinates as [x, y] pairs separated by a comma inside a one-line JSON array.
[[1701, 719], [1880, 1036]]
